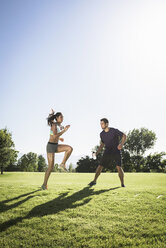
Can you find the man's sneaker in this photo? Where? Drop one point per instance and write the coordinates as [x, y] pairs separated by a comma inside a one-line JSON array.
[[92, 183], [44, 187], [122, 185]]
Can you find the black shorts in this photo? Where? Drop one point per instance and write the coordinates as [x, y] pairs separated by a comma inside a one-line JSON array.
[[113, 158], [51, 147]]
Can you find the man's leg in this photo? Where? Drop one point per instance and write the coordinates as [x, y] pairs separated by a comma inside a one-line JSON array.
[[121, 174], [98, 171]]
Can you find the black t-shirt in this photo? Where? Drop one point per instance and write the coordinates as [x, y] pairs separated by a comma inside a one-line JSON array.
[[111, 139]]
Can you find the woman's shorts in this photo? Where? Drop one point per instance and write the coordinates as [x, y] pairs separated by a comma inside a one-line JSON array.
[[109, 159], [52, 147]]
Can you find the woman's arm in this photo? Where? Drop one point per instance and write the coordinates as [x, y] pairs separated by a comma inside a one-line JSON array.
[[54, 129]]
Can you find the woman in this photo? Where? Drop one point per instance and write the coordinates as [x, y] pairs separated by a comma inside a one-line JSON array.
[[54, 121]]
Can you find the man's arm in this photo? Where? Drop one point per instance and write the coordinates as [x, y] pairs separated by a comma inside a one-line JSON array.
[[120, 146], [100, 147]]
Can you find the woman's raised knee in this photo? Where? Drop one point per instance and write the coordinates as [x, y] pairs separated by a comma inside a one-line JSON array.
[[70, 149]]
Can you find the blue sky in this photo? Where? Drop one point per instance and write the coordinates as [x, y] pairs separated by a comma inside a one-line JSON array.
[[87, 59]]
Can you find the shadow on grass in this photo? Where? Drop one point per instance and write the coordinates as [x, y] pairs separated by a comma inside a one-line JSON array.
[[4, 207], [61, 203]]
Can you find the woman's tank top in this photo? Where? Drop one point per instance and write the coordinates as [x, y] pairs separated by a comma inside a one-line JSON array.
[[59, 129]]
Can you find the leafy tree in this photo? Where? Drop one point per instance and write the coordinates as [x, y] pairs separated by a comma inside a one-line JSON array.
[[126, 161], [137, 163], [8, 155], [70, 167], [86, 164], [156, 163], [139, 140], [28, 162], [12, 167], [56, 168], [163, 165], [41, 163]]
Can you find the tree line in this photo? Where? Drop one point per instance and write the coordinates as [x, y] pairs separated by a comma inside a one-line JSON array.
[[138, 142]]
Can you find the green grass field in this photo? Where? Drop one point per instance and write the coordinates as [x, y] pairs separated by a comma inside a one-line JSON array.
[[70, 214]]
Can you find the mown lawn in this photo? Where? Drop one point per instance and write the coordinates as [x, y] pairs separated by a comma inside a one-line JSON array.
[[70, 214]]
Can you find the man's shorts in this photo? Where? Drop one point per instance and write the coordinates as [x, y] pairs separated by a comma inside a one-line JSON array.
[[111, 158], [51, 147]]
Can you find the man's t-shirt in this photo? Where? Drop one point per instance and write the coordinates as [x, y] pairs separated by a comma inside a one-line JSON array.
[[111, 139]]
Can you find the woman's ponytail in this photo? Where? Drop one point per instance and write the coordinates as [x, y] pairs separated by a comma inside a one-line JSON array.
[[53, 117]]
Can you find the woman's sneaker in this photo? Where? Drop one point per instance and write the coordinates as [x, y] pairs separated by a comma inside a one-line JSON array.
[[62, 166]]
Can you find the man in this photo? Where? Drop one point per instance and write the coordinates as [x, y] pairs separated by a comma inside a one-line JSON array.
[[113, 140]]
